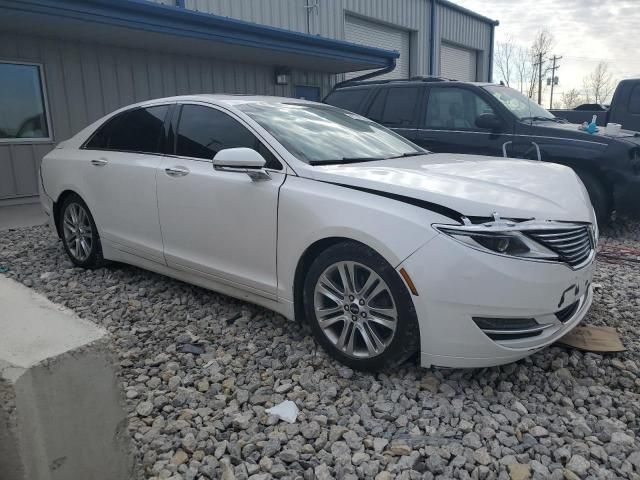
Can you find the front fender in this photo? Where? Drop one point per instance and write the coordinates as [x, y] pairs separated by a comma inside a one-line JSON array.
[[309, 211]]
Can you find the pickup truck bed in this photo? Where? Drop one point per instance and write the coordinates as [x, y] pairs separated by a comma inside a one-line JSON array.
[[624, 109]]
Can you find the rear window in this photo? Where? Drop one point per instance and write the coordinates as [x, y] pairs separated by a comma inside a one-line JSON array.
[[349, 99], [138, 131]]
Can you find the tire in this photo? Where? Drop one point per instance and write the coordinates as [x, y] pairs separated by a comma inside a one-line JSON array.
[[601, 198], [79, 233], [370, 325]]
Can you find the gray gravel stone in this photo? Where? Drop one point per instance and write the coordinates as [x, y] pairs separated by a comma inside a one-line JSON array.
[[578, 464], [561, 413]]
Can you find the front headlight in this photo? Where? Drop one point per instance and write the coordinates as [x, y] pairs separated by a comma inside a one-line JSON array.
[[512, 243]]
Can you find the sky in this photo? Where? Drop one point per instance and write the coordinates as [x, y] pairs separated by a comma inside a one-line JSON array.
[[585, 32]]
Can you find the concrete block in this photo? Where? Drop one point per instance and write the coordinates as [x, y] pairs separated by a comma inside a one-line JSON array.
[[61, 414]]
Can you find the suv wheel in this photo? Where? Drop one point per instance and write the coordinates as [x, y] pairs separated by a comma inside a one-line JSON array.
[[601, 198]]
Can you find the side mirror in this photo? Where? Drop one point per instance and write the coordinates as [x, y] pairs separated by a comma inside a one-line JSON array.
[[489, 121], [243, 160]]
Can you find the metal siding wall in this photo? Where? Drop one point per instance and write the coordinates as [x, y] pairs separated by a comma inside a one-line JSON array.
[[329, 18], [457, 28], [86, 81]]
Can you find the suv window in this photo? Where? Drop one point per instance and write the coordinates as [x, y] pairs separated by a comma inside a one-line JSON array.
[[454, 108], [204, 131], [138, 131], [349, 99], [400, 105], [376, 109]]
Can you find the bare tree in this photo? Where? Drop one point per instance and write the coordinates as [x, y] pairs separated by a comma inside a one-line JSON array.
[[523, 67], [505, 60], [599, 84], [571, 98], [540, 49]]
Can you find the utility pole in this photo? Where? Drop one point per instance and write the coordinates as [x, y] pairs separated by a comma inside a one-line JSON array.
[[553, 77], [540, 78]]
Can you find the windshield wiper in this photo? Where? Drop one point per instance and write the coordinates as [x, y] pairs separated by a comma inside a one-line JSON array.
[[344, 160], [409, 154]]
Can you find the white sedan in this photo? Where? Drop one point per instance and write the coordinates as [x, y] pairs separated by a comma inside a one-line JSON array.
[[329, 218]]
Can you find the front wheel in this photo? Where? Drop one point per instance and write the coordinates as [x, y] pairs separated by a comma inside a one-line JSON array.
[[359, 309], [600, 197], [79, 233]]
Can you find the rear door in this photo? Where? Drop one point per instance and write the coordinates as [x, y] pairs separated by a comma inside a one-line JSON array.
[[448, 123], [397, 108], [123, 156]]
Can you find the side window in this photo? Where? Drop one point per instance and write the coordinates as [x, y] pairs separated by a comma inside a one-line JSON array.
[[100, 139], [349, 99], [138, 131], [204, 131], [376, 109], [634, 100], [454, 108], [400, 106]]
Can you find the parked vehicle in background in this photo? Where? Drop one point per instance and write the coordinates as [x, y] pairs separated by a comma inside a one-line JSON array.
[[449, 116], [320, 214], [624, 108]]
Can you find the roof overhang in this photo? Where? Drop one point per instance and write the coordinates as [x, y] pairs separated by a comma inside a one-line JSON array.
[[153, 26]]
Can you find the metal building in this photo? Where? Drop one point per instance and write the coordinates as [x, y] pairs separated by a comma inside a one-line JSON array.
[[66, 63]]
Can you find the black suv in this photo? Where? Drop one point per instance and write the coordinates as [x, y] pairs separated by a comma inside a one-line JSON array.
[[445, 115]]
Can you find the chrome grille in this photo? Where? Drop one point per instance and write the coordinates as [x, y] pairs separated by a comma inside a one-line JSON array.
[[573, 245]]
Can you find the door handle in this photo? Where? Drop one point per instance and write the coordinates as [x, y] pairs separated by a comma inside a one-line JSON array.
[[99, 162], [176, 171]]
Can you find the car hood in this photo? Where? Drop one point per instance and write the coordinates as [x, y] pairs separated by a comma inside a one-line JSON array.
[[474, 186], [601, 135]]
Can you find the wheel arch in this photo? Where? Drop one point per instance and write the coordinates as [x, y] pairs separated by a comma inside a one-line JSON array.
[[306, 259], [57, 205]]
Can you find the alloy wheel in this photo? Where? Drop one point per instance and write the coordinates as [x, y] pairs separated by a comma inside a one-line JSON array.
[[78, 234], [355, 309]]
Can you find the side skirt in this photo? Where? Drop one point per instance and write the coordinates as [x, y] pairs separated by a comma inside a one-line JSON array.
[[284, 308]]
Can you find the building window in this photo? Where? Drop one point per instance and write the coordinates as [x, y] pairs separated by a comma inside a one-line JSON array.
[[22, 103]]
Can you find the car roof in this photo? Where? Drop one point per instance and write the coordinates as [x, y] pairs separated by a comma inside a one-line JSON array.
[[224, 99], [412, 81]]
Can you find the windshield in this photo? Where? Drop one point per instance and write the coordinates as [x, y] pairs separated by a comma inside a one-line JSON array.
[[318, 134], [518, 104]]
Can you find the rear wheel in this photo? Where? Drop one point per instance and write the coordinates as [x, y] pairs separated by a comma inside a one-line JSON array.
[[79, 233], [600, 196], [359, 309]]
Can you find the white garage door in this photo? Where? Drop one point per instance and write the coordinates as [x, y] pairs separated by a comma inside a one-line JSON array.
[[378, 35], [458, 63]]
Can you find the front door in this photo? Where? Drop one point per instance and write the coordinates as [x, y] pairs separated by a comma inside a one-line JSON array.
[[449, 124], [123, 157], [218, 224]]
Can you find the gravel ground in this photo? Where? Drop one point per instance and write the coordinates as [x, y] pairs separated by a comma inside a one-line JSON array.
[[558, 414]]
